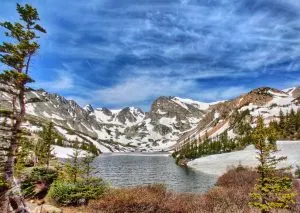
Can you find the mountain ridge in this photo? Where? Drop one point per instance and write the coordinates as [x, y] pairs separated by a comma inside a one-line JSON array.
[[263, 101], [169, 120]]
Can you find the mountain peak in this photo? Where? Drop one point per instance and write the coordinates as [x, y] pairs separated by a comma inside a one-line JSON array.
[[293, 91], [267, 91], [88, 108]]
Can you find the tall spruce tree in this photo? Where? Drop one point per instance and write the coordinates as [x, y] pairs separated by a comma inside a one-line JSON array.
[[16, 55], [43, 148], [87, 167], [73, 168], [274, 188]]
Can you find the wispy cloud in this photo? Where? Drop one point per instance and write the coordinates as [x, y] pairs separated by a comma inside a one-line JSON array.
[[136, 90], [63, 81], [128, 52]]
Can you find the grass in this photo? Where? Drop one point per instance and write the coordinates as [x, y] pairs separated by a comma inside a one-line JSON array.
[[229, 195]]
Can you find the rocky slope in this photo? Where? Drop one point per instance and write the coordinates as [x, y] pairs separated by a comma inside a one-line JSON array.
[[127, 129], [170, 121], [265, 101]]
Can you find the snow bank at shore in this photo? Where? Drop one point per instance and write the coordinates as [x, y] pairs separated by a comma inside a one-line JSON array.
[[219, 163], [64, 152]]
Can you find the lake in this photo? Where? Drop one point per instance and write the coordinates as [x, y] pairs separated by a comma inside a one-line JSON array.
[[132, 169]]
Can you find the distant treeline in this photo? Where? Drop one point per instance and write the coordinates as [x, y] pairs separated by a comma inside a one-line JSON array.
[[286, 128]]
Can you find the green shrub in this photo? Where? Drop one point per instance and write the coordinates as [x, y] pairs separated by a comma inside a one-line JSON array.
[[80, 192], [36, 182], [3, 184], [297, 172]]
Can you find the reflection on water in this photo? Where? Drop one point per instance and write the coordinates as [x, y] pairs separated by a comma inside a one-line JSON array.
[[140, 169]]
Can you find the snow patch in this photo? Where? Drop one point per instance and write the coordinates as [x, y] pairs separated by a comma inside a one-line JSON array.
[[65, 152], [219, 163]]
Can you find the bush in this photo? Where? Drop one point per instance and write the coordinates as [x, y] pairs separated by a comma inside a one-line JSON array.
[[78, 193], [231, 195], [238, 177], [36, 182], [149, 198], [297, 172], [3, 185]]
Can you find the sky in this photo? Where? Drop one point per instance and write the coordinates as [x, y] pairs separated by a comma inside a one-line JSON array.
[[118, 53]]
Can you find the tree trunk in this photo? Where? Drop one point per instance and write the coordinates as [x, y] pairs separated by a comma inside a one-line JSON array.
[[15, 198], [5, 137]]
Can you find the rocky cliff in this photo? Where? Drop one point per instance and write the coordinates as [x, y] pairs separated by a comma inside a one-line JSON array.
[[264, 101], [127, 129], [170, 121]]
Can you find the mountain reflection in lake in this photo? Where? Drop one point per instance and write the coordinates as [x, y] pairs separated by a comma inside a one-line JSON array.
[[122, 170]]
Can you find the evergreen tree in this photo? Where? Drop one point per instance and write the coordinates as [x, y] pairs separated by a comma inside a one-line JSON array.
[[297, 172], [273, 190], [225, 141], [16, 56], [292, 123], [281, 120], [73, 168], [44, 149], [87, 166], [23, 155]]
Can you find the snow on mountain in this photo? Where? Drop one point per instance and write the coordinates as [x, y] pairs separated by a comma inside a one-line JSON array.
[[289, 90], [126, 129], [265, 101], [88, 108], [128, 115], [171, 120], [200, 105], [184, 102]]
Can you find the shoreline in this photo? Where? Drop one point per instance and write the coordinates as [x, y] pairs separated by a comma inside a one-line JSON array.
[[218, 164]]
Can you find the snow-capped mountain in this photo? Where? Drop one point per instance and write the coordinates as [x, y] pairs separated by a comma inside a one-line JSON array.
[[127, 116], [126, 129], [170, 121], [265, 101]]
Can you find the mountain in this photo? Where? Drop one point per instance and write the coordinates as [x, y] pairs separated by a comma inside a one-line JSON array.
[[126, 129], [166, 120], [171, 121], [264, 101]]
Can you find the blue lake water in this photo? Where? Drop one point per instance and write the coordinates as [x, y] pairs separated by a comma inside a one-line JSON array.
[[125, 170]]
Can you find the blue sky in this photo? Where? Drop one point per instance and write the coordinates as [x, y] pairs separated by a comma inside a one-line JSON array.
[[117, 53]]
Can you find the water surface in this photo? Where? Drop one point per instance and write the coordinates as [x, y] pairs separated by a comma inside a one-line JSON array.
[[123, 170]]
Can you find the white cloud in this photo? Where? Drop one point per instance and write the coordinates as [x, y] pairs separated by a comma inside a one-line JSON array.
[[63, 81], [139, 89], [220, 93]]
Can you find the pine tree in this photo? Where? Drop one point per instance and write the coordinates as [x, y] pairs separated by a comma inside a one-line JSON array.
[[23, 154], [292, 123], [225, 141], [298, 123], [73, 168], [281, 121], [44, 149], [87, 166], [297, 172], [273, 190], [16, 56]]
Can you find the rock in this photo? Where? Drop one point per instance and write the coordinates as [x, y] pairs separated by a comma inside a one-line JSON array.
[[162, 129], [40, 202], [183, 162], [46, 208], [129, 114]]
